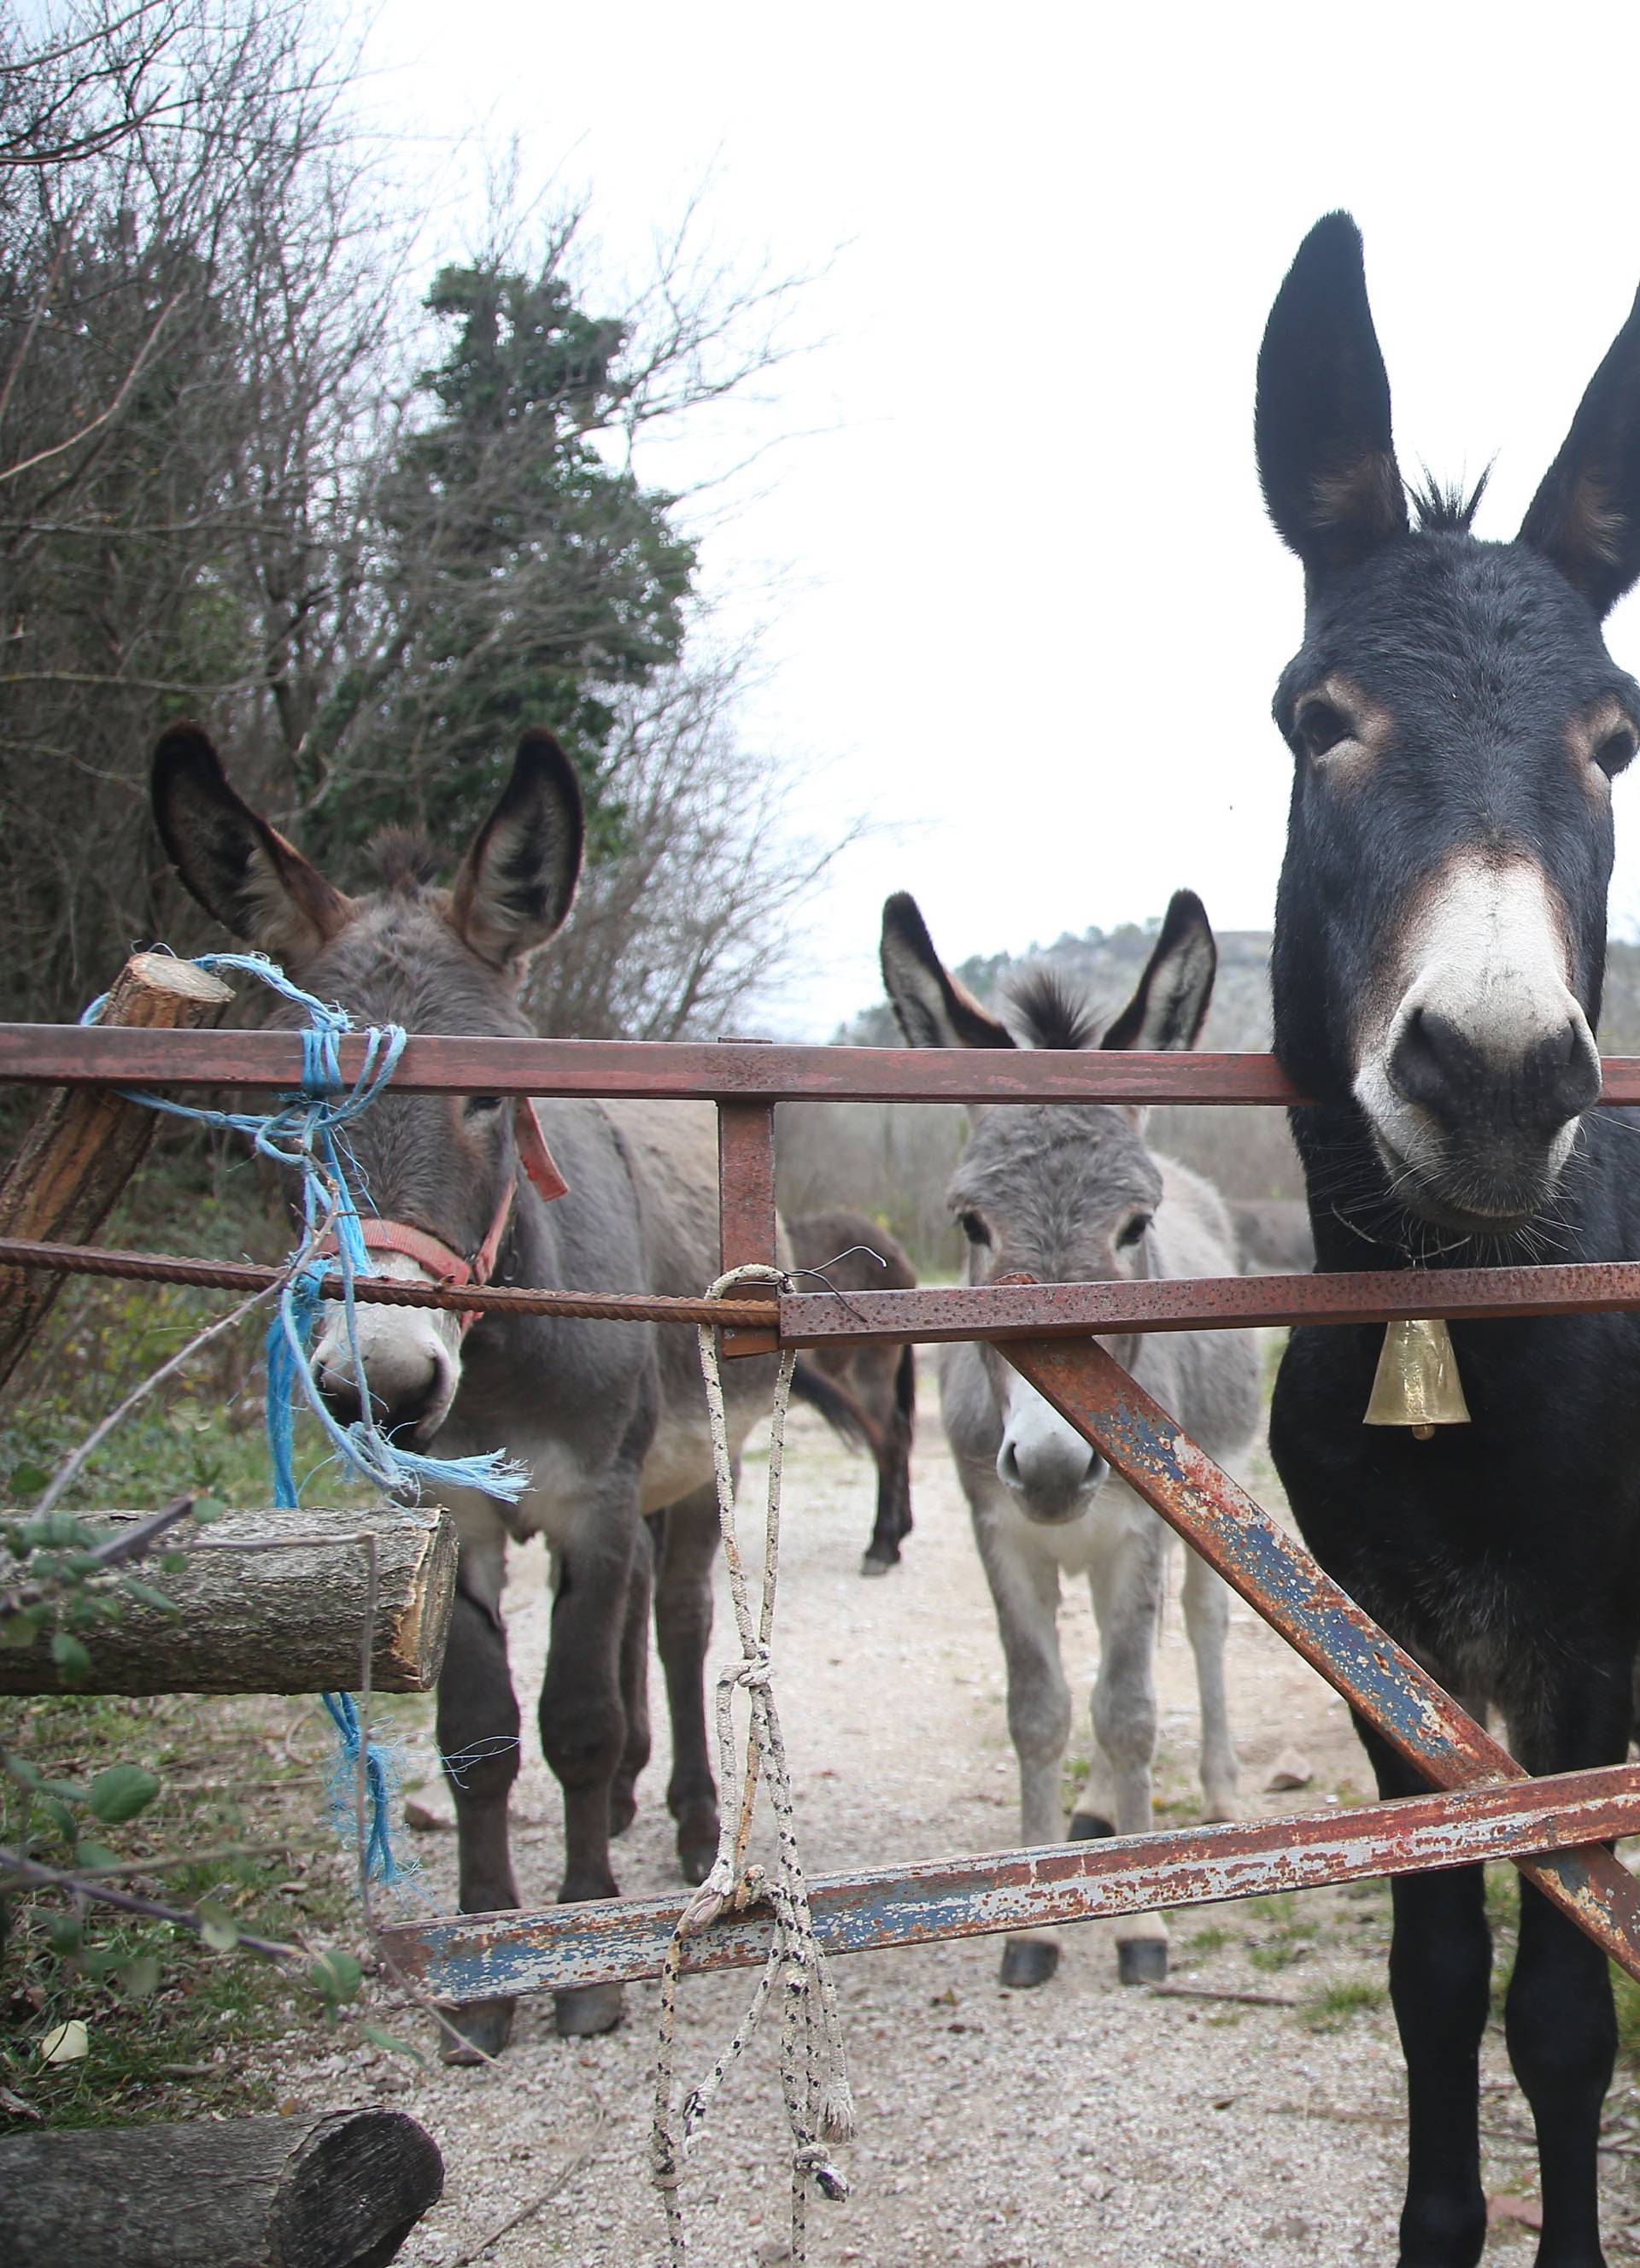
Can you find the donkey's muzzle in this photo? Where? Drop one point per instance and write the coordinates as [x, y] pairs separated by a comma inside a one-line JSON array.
[[410, 1371], [1486, 1129]]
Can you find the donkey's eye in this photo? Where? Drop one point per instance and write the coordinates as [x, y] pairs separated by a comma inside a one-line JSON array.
[[483, 1106], [1320, 727], [1135, 1230], [1615, 750], [976, 1227]]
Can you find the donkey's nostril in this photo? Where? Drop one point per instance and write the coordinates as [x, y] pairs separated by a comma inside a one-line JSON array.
[[1431, 1061], [1533, 1089]]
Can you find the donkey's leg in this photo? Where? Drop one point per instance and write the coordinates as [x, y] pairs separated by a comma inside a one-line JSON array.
[[1207, 1619], [1559, 2019], [1440, 1964], [478, 1741], [883, 1394], [1127, 1582], [582, 1722], [683, 1629], [634, 1686], [1024, 1588]]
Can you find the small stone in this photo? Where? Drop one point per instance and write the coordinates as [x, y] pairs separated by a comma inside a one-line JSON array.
[[1291, 1769]]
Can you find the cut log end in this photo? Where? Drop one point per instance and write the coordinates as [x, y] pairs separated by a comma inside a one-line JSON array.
[[340, 2189]]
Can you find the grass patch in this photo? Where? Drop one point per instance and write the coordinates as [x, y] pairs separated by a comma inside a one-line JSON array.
[[1337, 2005], [1213, 1939]]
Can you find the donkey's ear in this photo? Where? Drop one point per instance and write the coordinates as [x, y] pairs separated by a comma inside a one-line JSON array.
[[1321, 426], [517, 883], [1585, 518], [930, 1007], [240, 869], [1169, 1008]]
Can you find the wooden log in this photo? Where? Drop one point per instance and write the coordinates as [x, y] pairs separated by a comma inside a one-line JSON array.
[[88, 1142], [342, 2189], [271, 1602]]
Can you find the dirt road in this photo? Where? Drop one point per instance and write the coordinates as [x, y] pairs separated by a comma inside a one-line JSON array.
[[1078, 2123]]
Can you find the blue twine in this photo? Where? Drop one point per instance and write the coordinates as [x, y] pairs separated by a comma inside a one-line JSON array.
[[302, 1133]]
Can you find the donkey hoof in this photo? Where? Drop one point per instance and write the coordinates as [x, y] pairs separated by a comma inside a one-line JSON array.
[[586, 2010], [697, 1845], [1028, 1961], [485, 2026], [623, 1810], [1088, 1827], [1141, 1959], [695, 1860], [879, 1559]]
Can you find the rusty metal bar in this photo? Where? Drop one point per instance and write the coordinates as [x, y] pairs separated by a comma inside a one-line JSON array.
[[1017, 1311], [745, 1071], [472, 1956], [379, 1291], [1319, 1620], [746, 1196], [999, 1311], [66, 1055]]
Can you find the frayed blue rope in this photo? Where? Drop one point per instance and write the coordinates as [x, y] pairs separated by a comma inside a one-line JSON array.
[[381, 1862], [302, 1134]]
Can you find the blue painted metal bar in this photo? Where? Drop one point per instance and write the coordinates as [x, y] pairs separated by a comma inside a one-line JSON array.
[[1278, 1579], [476, 1956]]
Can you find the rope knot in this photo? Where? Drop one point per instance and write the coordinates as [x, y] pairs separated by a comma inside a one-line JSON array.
[[814, 2161], [755, 1671]]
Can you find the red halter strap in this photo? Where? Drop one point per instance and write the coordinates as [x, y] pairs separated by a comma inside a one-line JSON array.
[[442, 1261]]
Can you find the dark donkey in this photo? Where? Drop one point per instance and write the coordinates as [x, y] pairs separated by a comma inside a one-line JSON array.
[[856, 1255], [1456, 722], [610, 1418]]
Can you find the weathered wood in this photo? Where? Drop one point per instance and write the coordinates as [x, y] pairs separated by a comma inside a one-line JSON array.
[[272, 1603], [340, 2190], [85, 1145]]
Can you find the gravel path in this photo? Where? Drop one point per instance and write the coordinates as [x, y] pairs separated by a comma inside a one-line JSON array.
[[1080, 2123]]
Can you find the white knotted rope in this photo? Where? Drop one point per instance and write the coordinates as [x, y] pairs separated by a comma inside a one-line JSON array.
[[813, 2071]]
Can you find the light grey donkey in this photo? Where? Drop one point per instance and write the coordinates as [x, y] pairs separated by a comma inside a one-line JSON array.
[[1072, 1193]]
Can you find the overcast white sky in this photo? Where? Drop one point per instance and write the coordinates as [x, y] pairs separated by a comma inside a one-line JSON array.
[[1020, 600]]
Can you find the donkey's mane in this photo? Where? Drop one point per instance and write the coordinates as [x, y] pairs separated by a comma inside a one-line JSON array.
[[403, 858], [1442, 507], [1053, 1014]]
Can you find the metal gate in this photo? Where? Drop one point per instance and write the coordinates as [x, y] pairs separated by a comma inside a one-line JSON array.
[[1555, 1829]]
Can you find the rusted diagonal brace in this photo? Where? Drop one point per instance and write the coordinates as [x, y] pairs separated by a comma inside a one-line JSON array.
[[474, 1956], [1280, 1580]]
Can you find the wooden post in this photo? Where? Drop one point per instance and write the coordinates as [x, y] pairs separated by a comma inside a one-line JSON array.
[[88, 1142], [342, 2189], [270, 1603]]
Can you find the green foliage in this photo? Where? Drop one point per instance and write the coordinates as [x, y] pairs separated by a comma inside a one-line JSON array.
[[120, 1792], [528, 577]]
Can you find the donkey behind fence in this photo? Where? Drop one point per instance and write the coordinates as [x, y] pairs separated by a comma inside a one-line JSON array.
[[1072, 1193], [1456, 724], [609, 1417], [855, 1255]]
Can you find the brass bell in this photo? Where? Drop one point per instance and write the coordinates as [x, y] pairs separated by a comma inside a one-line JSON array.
[[1418, 1383]]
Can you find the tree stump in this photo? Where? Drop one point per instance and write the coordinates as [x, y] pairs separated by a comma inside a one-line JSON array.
[[85, 1145], [342, 2189]]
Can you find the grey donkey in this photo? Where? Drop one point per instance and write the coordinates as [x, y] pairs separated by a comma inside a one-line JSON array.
[[1072, 1193], [610, 1418]]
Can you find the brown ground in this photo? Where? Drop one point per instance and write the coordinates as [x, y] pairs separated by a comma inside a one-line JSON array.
[[1078, 2123]]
